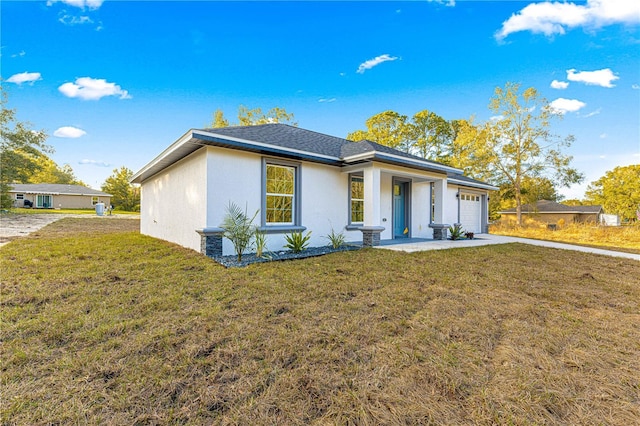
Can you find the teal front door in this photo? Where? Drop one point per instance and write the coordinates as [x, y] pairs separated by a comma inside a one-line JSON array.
[[400, 210]]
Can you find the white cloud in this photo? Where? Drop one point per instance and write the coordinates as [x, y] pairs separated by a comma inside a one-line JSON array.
[[592, 113], [19, 55], [69, 132], [555, 18], [25, 77], [496, 118], [75, 20], [603, 135], [327, 100], [88, 88], [635, 86], [561, 85], [602, 77], [449, 3], [82, 4], [94, 163], [562, 105], [367, 65]]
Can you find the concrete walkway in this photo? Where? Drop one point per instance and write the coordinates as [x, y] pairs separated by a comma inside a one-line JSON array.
[[488, 239]]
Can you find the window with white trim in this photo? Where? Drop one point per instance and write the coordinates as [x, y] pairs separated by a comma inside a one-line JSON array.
[[280, 194], [94, 200], [356, 199], [19, 196]]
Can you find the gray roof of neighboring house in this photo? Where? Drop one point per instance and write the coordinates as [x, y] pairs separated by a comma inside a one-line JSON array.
[[546, 206], [291, 142], [55, 188]]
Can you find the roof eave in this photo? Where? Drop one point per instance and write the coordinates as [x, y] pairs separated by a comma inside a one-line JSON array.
[[399, 160], [480, 185]]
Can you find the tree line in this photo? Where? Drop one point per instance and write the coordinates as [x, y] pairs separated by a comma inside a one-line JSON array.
[[516, 150]]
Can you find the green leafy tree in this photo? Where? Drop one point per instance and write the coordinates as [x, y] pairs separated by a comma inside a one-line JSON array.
[[573, 202], [522, 144], [430, 136], [386, 128], [50, 172], [618, 191], [426, 135], [218, 120], [21, 150], [125, 196], [470, 150], [253, 117]]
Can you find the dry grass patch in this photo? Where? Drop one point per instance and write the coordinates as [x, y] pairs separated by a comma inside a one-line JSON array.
[[620, 238], [115, 327]]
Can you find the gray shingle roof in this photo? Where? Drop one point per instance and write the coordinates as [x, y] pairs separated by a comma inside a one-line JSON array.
[[290, 142], [286, 136], [54, 188], [546, 206]]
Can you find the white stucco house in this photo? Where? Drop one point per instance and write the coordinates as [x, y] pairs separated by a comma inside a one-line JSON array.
[[301, 180]]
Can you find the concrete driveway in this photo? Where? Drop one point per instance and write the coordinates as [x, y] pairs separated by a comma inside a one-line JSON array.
[[14, 226], [488, 239]]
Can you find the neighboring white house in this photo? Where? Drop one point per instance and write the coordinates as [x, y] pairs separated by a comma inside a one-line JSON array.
[[301, 180], [56, 196]]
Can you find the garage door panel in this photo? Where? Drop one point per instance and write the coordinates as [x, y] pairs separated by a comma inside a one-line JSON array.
[[470, 212]]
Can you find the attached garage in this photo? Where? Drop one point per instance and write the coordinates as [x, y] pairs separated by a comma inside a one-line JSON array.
[[470, 212]]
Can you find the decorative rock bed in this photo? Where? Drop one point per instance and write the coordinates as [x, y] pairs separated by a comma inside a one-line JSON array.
[[231, 261]]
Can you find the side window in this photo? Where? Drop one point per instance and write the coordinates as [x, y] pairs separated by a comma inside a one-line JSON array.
[[356, 199], [19, 196], [281, 197], [94, 201]]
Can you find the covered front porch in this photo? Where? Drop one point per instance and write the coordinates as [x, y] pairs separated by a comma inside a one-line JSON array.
[[398, 203]]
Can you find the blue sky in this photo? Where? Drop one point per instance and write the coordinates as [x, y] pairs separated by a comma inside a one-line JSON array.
[[114, 83]]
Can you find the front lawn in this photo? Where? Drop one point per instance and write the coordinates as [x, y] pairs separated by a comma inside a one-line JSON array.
[[102, 325], [21, 210]]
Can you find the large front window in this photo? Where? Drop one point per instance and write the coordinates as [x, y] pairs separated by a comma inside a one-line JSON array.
[[357, 199], [280, 194]]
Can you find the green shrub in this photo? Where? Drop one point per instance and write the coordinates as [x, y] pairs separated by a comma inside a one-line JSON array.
[[296, 242], [336, 240], [456, 232], [260, 239], [239, 228]]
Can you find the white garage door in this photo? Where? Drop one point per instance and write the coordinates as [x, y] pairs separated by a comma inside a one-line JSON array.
[[470, 212]]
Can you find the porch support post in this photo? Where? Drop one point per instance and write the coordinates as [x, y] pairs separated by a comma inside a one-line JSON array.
[[372, 223], [440, 189], [438, 225], [211, 241]]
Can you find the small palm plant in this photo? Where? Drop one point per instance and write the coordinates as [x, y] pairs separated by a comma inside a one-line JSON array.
[[238, 228]]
